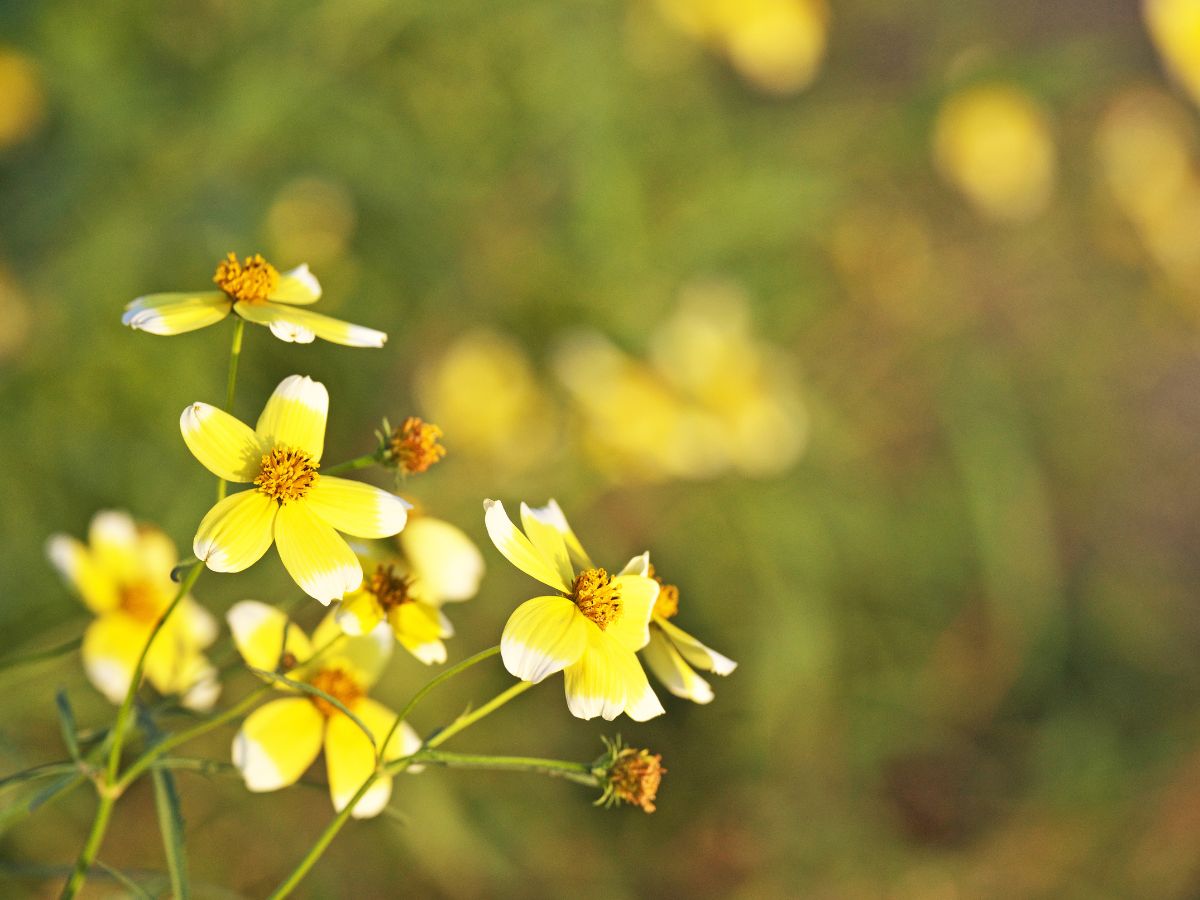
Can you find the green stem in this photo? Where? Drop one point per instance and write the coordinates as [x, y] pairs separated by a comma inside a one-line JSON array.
[[466, 720], [235, 355], [359, 462], [580, 773], [90, 847]]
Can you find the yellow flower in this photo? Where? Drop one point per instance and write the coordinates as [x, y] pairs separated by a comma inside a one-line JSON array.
[[123, 575], [291, 504], [280, 739], [440, 565], [672, 652], [254, 290], [1174, 27], [591, 630]]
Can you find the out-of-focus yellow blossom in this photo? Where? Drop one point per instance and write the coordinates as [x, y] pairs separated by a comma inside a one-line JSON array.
[[16, 314], [291, 504], [992, 142], [483, 391], [1174, 27], [590, 630], [123, 575], [311, 219], [776, 45], [672, 652], [443, 560], [254, 290], [22, 102], [282, 738]]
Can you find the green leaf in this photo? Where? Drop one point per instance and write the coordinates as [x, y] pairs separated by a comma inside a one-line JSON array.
[[66, 722], [312, 691], [125, 881], [32, 656], [170, 823]]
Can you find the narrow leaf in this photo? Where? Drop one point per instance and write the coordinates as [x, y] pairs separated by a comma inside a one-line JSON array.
[[170, 823], [124, 880], [32, 656], [66, 722]]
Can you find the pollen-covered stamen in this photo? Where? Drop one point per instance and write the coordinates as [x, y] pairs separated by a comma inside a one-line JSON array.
[[339, 684], [414, 447], [635, 776], [667, 604], [390, 589], [286, 474], [597, 597], [253, 280], [141, 601]]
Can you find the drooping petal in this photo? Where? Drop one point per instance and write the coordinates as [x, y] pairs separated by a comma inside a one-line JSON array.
[[111, 647], [225, 446], [291, 333], [196, 624], [639, 565], [359, 612], [325, 327], [235, 533], [446, 562], [278, 742], [517, 548], [176, 313], [364, 656], [595, 684], [295, 415], [258, 633], [316, 556], [694, 652], [673, 671], [350, 757], [418, 628], [205, 687], [543, 635], [75, 564], [637, 593], [548, 541], [362, 510], [297, 285], [641, 703], [552, 514]]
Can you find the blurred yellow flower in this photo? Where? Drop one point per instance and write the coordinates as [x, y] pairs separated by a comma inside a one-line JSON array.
[[992, 142], [1174, 27], [123, 575], [254, 290], [22, 101], [390, 592], [590, 630], [282, 738], [672, 652], [445, 562], [291, 504]]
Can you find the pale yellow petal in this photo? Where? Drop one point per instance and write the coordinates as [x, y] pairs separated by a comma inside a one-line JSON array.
[[639, 565], [641, 703], [359, 612], [225, 446], [168, 314], [204, 686], [553, 515], [316, 556], [517, 548], [543, 635], [258, 633], [418, 628], [673, 671], [297, 285], [113, 541], [548, 541], [446, 562], [694, 652], [295, 415], [284, 320], [364, 656], [75, 564], [197, 625], [350, 756], [111, 647], [236, 532], [278, 742], [595, 684], [638, 593], [362, 510]]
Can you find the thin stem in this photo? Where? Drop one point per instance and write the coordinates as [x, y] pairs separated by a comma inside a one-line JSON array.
[[359, 462], [466, 720], [235, 355], [90, 847], [580, 773]]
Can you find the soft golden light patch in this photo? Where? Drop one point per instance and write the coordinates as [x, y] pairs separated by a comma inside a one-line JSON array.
[[252, 280], [22, 98], [340, 685], [635, 777], [141, 601], [390, 589], [597, 597], [414, 445], [286, 474]]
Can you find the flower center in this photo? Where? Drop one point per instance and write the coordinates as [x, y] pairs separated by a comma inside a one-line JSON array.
[[390, 589], [340, 685], [414, 446], [253, 280], [286, 474], [667, 604], [597, 597], [141, 601]]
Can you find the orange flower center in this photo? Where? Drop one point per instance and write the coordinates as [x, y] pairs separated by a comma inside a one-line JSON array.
[[597, 597], [141, 601], [414, 445], [286, 474], [253, 280], [390, 589], [667, 604], [635, 777], [340, 685]]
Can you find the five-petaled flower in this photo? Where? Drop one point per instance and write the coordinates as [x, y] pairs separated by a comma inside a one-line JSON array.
[[291, 504], [123, 575], [256, 291], [590, 630], [282, 738]]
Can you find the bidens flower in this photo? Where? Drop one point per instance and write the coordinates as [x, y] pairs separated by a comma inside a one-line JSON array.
[[256, 291], [280, 739], [591, 630], [290, 505], [123, 575], [672, 652]]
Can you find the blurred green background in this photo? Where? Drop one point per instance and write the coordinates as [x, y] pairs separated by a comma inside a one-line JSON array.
[[876, 324]]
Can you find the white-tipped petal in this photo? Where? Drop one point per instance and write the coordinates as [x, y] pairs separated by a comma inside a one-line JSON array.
[[278, 742], [325, 327], [362, 510], [297, 286], [517, 548], [236, 532], [316, 556], [224, 445], [168, 314], [673, 671], [295, 416], [595, 684], [543, 635], [696, 653]]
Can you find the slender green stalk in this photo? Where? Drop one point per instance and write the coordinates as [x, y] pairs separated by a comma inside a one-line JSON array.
[[32, 656], [235, 355], [359, 462], [91, 846], [466, 720], [580, 773]]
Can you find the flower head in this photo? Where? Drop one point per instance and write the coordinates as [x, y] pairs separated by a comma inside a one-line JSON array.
[[631, 776], [280, 739], [258, 292], [590, 630], [672, 652], [413, 446], [123, 575], [291, 504]]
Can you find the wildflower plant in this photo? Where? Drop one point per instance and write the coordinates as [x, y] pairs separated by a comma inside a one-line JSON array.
[[385, 568]]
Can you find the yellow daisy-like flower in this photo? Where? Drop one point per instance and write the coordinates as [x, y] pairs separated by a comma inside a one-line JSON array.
[[282, 738], [256, 291], [591, 630], [291, 504], [123, 575], [672, 652]]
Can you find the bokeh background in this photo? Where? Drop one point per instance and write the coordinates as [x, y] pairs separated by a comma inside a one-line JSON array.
[[876, 323]]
